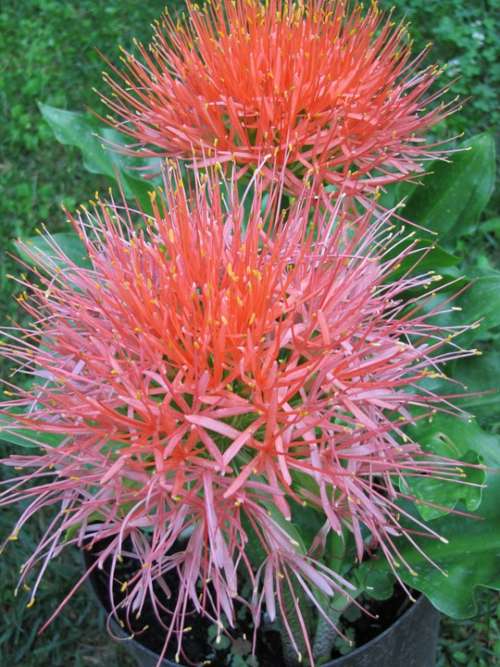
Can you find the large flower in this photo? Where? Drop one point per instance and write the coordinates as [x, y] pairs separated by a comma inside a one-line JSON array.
[[212, 370], [327, 89]]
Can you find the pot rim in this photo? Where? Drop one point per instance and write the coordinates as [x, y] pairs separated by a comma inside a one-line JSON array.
[[421, 600]]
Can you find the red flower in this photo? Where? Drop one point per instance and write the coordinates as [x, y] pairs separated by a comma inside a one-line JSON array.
[[215, 369], [327, 90]]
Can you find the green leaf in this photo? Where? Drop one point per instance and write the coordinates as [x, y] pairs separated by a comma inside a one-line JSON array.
[[253, 548], [432, 258], [288, 527], [395, 193], [376, 583], [89, 135], [455, 193], [470, 554], [243, 661], [335, 551], [445, 436], [480, 376], [478, 305], [306, 520], [69, 243], [447, 495], [24, 437], [482, 302], [492, 225]]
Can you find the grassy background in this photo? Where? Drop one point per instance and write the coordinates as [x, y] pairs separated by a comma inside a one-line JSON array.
[[47, 53]]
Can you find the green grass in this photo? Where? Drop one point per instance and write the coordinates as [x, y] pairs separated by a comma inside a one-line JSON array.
[[475, 642], [49, 50], [76, 639]]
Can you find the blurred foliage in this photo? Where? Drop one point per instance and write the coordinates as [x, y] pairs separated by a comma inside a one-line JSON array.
[[77, 638], [472, 643], [464, 37]]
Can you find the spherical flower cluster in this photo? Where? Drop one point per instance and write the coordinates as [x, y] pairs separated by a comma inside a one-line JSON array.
[[329, 91], [214, 368]]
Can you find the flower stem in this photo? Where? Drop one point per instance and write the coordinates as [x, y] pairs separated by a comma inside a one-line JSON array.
[[325, 636]]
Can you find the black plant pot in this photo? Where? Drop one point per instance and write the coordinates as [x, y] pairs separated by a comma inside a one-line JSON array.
[[411, 641]]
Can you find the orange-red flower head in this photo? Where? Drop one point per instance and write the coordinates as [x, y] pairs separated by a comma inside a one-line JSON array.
[[210, 371], [323, 87]]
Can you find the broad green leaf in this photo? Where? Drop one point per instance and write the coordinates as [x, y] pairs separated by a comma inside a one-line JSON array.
[[470, 554], [482, 302], [447, 494], [481, 377], [431, 258], [455, 193], [444, 437], [478, 304], [94, 140], [69, 243], [448, 435], [470, 559], [395, 193]]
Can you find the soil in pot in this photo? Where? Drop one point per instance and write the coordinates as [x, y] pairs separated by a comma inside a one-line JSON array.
[[199, 643]]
